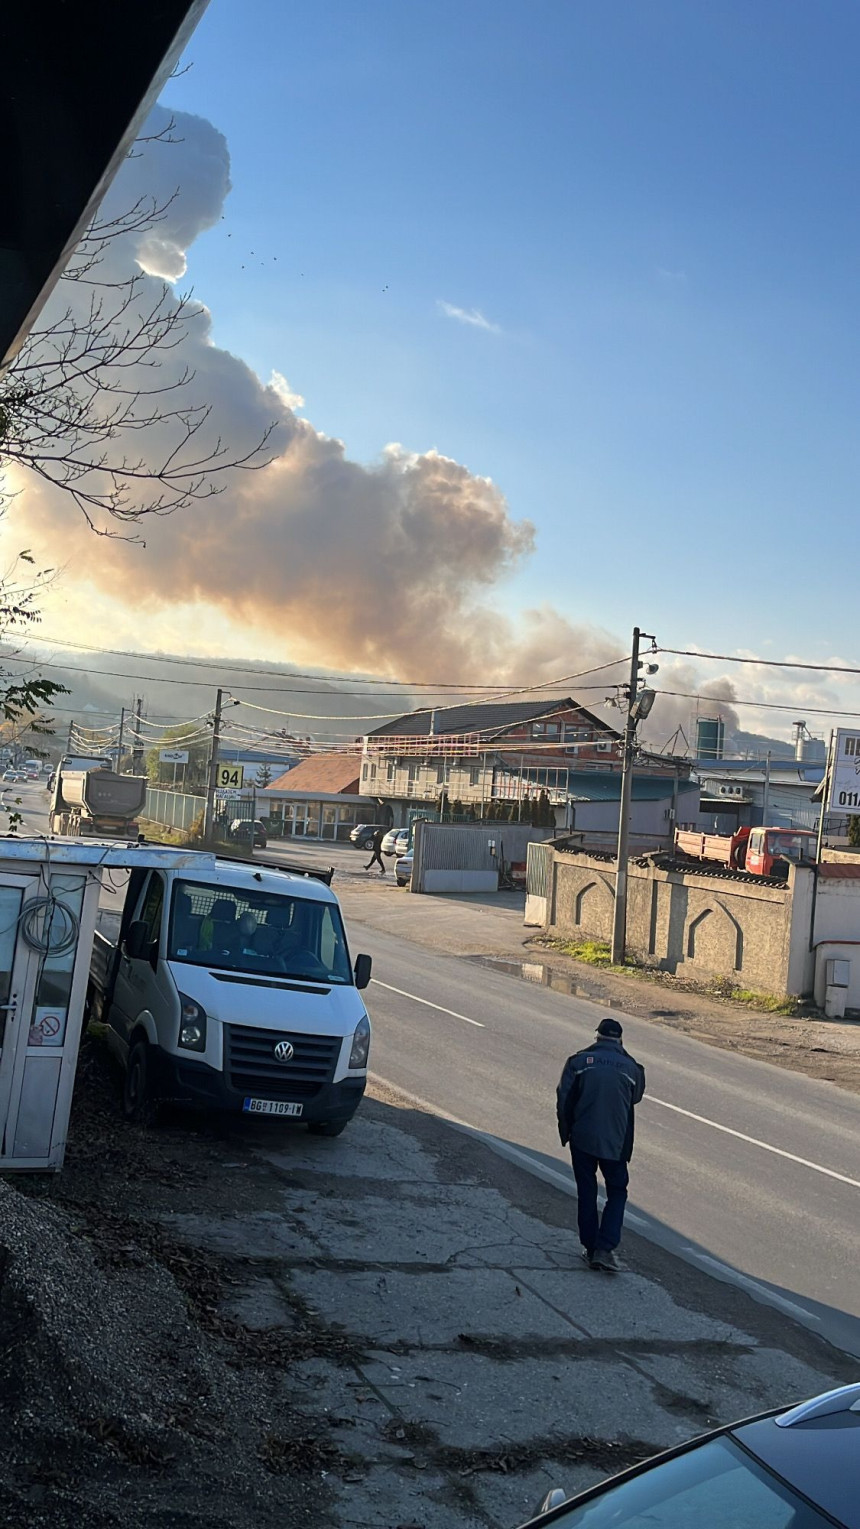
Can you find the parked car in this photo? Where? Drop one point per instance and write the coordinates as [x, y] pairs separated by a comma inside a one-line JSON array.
[[798, 1468], [403, 870], [362, 834], [10, 775], [247, 832]]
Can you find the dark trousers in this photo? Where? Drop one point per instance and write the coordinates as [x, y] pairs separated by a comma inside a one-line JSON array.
[[375, 859], [605, 1232]]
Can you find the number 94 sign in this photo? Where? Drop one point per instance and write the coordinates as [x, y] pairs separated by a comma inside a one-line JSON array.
[[230, 777]]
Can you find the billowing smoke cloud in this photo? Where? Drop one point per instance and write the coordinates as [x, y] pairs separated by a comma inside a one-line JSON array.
[[390, 567], [380, 566], [673, 716]]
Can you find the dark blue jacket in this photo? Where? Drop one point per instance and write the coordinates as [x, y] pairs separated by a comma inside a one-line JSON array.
[[598, 1089]]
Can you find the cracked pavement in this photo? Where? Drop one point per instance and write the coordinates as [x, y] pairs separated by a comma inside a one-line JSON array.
[[485, 1363]]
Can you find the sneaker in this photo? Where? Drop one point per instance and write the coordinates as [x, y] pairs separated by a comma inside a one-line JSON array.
[[587, 1256], [606, 1258]]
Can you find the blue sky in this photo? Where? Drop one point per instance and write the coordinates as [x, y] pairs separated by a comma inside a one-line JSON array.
[[654, 204]]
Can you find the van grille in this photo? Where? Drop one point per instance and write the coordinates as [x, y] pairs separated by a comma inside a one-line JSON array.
[[253, 1069]]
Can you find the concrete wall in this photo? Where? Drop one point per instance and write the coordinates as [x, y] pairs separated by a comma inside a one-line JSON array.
[[698, 925], [769, 939]]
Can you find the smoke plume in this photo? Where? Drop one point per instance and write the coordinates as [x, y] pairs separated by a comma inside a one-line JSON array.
[[394, 566]]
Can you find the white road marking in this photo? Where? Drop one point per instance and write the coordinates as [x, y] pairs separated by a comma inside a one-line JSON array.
[[754, 1141], [428, 1004], [704, 1120]]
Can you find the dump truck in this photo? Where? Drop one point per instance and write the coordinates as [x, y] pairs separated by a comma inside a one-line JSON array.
[[758, 851], [91, 798]]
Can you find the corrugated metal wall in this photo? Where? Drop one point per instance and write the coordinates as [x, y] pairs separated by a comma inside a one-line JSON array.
[[538, 864], [467, 857]]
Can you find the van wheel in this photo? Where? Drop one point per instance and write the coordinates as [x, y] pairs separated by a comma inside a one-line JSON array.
[[328, 1127], [137, 1102]]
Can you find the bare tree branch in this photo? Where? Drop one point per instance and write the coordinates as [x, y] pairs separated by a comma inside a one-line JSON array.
[[105, 370]]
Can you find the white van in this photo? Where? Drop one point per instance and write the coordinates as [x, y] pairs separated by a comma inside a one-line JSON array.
[[231, 987]]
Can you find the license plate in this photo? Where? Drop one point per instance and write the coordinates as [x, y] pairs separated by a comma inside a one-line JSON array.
[[271, 1107]]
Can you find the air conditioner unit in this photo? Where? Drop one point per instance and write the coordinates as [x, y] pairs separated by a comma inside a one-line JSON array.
[[605, 746]]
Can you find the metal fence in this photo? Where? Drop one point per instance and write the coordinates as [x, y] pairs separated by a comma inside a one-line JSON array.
[[172, 809]]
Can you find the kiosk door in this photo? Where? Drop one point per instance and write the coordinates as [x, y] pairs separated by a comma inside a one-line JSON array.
[[46, 936], [17, 987]]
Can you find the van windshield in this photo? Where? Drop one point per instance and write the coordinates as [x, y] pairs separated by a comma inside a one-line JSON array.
[[260, 933]]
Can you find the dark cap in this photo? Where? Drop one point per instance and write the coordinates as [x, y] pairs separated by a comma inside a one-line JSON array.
[[610, 1028]]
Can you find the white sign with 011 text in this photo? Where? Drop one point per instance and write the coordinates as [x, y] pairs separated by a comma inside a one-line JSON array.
[[844, 794]]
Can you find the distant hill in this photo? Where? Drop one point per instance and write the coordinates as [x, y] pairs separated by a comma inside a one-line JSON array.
[[174, 690]]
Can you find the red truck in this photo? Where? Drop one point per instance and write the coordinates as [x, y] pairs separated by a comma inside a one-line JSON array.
[[758, 851]]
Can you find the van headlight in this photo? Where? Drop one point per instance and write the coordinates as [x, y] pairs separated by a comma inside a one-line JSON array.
[[360, 1043], [192, 1024]]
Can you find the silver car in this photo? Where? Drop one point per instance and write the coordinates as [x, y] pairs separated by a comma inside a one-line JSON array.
[[403, 869]]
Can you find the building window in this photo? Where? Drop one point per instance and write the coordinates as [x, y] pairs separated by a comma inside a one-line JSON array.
[[544, 729], [474, 774], [364, 770]]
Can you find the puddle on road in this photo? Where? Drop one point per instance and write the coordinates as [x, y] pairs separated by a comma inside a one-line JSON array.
[[544, 976]]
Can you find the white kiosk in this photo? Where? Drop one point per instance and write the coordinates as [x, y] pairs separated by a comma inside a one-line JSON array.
[[49, 900]]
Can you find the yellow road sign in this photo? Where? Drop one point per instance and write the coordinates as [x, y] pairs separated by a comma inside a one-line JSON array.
[[230, 777]]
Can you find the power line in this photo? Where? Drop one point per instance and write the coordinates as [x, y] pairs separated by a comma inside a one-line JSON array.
[[793, 706], [767, 663], [219, 665]]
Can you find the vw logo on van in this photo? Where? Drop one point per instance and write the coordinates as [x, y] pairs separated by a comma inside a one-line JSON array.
[[283, 1052]]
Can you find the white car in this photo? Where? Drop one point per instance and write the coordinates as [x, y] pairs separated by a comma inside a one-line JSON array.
[[396, 842], [403, 870]]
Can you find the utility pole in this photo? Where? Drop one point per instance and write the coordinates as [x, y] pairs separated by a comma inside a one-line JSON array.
[[639, 703], [209, 814], [823, 813], [137, 752], [619, 921], [119, 745], [765, 795]]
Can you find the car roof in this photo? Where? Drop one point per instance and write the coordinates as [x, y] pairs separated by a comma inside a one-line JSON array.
[[815, 1448], [249, 878]]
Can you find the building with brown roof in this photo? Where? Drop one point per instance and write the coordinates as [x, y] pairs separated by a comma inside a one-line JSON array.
[[323, 772]]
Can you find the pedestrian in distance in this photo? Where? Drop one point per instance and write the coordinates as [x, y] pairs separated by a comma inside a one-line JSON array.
[[376, 857], [599, 1089]]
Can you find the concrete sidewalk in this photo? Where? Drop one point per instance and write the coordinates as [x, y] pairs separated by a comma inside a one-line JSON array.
[[483, 1362]]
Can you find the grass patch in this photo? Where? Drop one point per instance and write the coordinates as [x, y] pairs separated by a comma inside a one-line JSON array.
[[596, 953], [592, 952], [765, 1001]]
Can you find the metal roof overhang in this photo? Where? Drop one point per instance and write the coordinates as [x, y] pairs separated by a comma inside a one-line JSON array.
[[78, 81]]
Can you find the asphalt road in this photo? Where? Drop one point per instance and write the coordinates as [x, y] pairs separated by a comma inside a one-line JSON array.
[[749, 1171]]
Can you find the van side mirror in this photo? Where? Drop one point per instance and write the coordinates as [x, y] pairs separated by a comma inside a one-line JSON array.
[[138, 945], [363, 966], [137, 941]]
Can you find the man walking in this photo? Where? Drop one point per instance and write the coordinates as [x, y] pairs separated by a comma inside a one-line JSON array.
[[596, 1096], [376, 857]]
